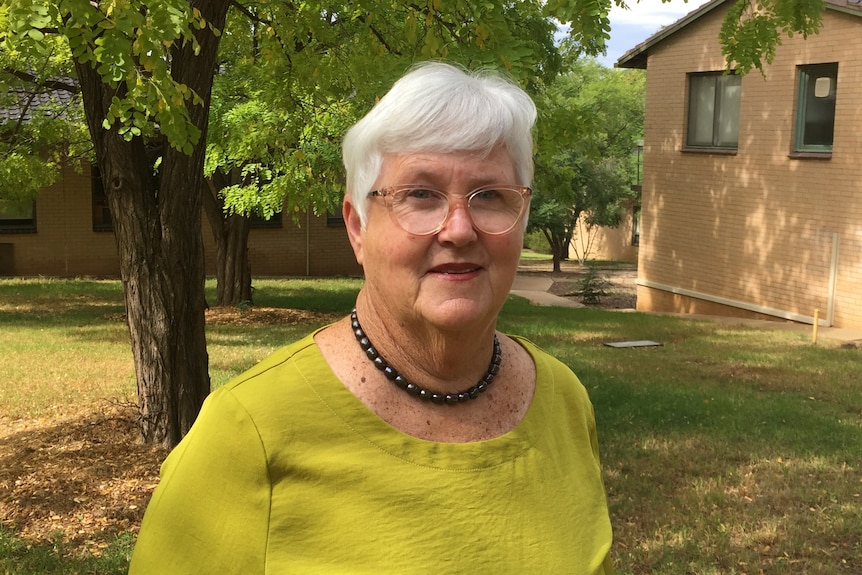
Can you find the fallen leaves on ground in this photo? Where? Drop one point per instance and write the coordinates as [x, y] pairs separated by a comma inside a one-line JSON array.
[[82, 478]]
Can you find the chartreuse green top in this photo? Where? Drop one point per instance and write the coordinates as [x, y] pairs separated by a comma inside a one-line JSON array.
[[285, 471]]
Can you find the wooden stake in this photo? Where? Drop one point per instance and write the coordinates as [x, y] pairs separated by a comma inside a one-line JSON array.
[[814, 327]]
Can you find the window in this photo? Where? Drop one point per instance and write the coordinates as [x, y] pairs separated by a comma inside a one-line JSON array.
[[334, 219], [259, 222], [815, 107], [17, 218], [102, 221], [713, 110]]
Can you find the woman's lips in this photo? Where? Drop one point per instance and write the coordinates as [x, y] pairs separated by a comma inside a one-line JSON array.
[[456, 269]]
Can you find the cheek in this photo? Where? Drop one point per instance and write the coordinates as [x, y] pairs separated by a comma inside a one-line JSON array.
[[393, 251], [507, 248]]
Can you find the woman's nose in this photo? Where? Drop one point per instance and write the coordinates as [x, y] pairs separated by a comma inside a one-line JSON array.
[[459, 228]]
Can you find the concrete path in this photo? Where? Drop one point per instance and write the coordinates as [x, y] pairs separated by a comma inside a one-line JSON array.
[[535, 288]]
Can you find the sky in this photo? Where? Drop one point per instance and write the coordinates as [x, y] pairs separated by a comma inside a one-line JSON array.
[[643, 19]]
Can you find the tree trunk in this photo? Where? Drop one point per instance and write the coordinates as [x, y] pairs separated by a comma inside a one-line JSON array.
[[230, 234], [157, 225], [557, 253]]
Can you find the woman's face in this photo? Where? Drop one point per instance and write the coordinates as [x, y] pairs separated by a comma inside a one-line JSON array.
[[454, 279]]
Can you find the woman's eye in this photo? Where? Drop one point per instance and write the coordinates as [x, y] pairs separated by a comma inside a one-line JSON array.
[[488, 195], [419, 194]]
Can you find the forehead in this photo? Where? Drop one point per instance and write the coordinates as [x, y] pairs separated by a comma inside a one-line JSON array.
[[434, 167]]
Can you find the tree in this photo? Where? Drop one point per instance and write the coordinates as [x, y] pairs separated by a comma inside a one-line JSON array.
[[145, 70], [590, 119]]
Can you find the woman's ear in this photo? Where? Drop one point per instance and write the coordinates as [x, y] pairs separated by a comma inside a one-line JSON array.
[[354, 227]]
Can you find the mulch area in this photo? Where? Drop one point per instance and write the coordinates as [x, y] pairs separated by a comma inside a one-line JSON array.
[[621, 289], [84, 477]]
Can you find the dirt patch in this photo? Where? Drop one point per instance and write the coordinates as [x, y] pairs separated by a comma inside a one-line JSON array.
[[266, 316], [83, 478]]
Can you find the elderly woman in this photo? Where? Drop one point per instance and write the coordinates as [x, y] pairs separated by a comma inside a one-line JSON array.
[[410, 437]]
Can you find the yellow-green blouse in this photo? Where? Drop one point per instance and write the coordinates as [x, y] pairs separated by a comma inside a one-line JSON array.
[[285, 471]]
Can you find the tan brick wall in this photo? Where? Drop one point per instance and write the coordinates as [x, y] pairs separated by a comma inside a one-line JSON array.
[[65, 244], [756, 227], [309, 247], [607, 244]]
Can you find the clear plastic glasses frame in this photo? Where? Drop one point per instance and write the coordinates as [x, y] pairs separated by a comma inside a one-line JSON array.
[[423, 210]]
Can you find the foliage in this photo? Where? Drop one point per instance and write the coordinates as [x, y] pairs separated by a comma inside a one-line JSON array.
[[592, 287], [590, 120], [41, 124], [537, 242], [752, 31]]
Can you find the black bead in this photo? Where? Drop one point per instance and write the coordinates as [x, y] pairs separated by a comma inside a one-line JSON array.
[[439, 398]]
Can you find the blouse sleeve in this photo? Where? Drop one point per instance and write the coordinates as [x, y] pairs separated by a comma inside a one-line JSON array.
[[210, 512]]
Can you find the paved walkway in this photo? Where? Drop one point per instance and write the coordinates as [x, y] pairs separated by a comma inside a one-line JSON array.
[[535, 288]]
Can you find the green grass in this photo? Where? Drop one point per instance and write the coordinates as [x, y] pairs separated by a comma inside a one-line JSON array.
[[727, 450], [19, 557]]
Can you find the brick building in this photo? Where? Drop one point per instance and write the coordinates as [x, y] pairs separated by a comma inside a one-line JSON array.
[[752, 186], [67, 232]]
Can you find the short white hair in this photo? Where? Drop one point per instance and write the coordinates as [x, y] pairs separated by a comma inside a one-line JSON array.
[[440, 108]]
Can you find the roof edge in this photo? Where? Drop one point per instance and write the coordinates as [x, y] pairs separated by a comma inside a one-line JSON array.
[[637, 56]]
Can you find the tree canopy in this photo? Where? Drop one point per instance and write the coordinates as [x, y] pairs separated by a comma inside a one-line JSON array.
[[591, 118]]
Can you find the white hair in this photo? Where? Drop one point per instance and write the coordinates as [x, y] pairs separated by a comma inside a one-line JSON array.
[[440, 108]]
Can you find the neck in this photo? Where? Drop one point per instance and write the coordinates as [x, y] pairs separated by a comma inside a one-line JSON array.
[[445, 361], [434, 396]]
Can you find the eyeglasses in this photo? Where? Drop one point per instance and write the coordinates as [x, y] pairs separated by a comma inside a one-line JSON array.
[[423, 211]]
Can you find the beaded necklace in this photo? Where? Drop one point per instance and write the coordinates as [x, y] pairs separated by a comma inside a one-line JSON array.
[[392, 374]]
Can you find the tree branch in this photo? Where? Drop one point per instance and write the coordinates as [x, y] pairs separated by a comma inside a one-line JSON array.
[[52, 84], [249, 14]]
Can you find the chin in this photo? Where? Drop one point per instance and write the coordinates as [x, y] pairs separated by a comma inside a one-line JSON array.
[[459, 313]]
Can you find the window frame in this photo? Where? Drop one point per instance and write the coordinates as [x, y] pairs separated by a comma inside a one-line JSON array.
[[720, 104], [17, 225], [804, 73]]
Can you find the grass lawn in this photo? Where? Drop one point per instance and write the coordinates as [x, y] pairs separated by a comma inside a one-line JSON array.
[[727, 450]]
